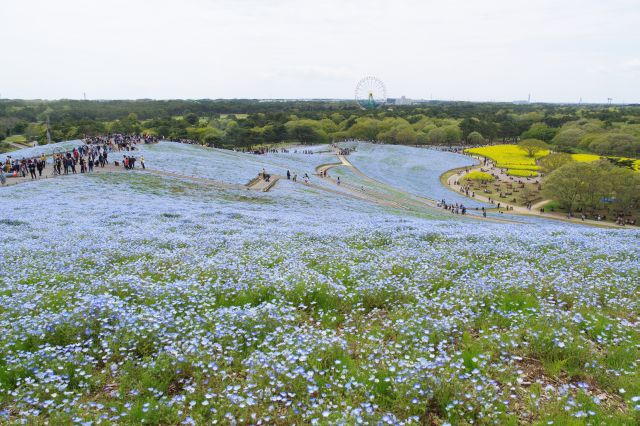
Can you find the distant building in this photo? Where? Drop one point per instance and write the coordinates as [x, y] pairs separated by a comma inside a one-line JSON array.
[[400, 101], [523, 102]]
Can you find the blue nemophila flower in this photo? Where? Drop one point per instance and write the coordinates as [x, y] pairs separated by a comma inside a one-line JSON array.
[[162, 298]]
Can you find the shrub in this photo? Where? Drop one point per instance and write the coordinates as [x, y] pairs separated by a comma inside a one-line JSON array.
[[479, 176], [521, 173]]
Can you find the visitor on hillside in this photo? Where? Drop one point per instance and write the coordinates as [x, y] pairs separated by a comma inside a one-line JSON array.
[[338, 181], [32, 169], [288, 175]]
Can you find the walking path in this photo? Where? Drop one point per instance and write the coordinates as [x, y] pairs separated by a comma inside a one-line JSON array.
[[47, 174], [401, 199], [520, 210], [388, 196]]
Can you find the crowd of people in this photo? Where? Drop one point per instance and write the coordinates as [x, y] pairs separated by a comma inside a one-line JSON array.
[[120, 142], [457, 208], [95, 152], [15, 167]]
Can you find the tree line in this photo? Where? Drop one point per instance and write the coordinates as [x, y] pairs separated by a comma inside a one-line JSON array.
[[605, 130]]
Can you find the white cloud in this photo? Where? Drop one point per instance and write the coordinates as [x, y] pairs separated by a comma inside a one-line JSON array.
[[494, 49]]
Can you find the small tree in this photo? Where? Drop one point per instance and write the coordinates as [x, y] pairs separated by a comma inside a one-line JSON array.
[[554, 161], [533, 146], [191, 118], [475, 137], [566, 184], [479, 177]]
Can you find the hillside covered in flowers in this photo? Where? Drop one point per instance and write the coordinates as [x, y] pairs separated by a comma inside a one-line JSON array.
[[131, 298]]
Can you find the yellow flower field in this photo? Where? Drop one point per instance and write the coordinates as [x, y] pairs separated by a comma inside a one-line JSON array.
[[518, 163], [511, 157], [588, 158], [521, 173]]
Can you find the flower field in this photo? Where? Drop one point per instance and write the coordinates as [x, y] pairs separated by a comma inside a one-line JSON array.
[[588, 158], [414, 170], [510, 157], [139, 299], [521, 173], [517, 163]]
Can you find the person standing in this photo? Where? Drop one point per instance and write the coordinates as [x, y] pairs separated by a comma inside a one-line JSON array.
[[142, 162], [32, 169]]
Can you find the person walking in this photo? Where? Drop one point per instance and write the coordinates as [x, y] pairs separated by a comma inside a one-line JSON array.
[[142, 162], [32, 169]]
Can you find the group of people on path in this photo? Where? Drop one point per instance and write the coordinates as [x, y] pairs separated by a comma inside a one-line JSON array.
[[120, 142], [15, 167], [457, 208], [81, 159]]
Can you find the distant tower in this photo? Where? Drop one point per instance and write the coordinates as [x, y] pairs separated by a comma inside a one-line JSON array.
[[609, 100], [529, 98], [85, 95]]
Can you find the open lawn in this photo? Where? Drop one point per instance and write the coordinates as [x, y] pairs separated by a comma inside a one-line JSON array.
[[19, 139]]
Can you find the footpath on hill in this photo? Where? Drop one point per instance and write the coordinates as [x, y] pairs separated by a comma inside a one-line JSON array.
[[385, 195]]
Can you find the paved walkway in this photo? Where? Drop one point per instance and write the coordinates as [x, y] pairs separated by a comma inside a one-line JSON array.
[[520, 210], [404, 200]]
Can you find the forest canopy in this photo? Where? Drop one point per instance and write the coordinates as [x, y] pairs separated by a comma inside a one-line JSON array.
[[599, 129]]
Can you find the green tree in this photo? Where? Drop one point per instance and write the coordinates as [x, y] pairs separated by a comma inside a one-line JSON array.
[[475, 138], [566, 184], [406, 136], [191, 118], [533, 146], [452, 133], [437, 136], [567, 139], [554, 161], [626, 189], [539, 131]]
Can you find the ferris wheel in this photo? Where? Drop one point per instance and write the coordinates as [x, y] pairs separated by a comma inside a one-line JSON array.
[[370, 93]]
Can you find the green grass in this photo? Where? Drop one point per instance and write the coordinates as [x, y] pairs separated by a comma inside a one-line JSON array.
[[16, 139]]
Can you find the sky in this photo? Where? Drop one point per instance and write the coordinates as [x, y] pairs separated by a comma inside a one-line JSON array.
[[489, 50]]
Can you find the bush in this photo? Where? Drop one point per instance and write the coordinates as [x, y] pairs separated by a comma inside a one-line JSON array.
[[521, 173], [479, 176]]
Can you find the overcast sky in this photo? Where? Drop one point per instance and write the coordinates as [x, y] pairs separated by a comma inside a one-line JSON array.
[[557, 50]]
